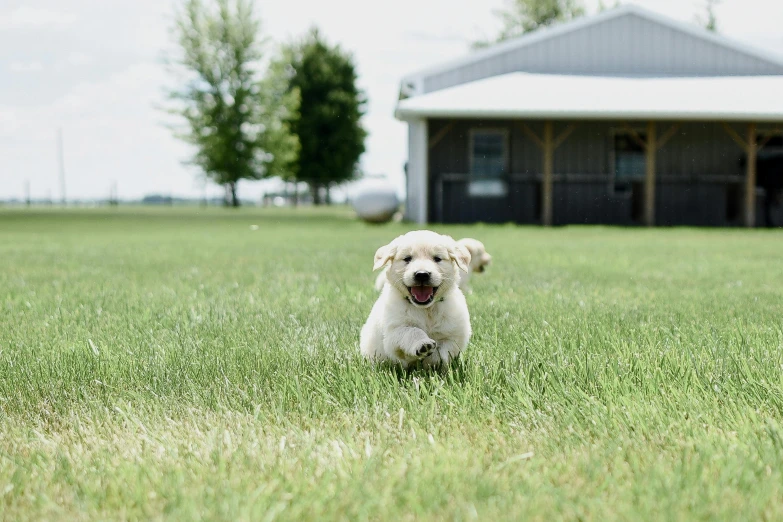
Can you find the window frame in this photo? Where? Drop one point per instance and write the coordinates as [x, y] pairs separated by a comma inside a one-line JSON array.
[[768, 134], [505, 135]]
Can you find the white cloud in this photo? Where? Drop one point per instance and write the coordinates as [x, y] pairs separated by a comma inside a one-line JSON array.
[[74, 59], [25, 17], [26, 67], [9, 122], [78, 59]]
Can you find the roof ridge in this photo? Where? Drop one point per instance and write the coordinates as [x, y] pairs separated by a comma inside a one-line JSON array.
[[546, 33]]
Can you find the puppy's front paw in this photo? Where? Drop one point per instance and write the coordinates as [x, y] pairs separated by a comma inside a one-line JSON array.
[[425, 348]]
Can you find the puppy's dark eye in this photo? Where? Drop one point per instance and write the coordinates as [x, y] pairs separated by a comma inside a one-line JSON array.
[[408, 259], [437, 259]]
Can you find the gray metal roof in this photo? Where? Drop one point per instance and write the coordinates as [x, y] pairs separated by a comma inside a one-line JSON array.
[[627, 41]]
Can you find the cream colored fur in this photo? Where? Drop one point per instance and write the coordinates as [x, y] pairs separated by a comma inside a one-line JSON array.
[[402, 330], [479, 259]]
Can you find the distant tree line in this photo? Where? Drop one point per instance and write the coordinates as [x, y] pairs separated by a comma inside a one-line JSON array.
[[295, 114]]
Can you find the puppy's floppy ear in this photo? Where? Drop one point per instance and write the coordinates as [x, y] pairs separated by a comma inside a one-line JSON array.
[[460, 255], [384, 254]]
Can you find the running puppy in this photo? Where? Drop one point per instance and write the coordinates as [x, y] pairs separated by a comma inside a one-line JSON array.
[[421, 314], [479, 260]]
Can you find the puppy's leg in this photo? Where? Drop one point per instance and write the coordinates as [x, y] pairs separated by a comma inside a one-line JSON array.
[[371, 342], [408, 343], [447, 351]]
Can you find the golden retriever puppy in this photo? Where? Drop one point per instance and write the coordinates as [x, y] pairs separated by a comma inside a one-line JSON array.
[[479, 260], [421, 314]]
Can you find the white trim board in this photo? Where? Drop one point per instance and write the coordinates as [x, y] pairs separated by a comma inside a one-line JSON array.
[[564, 97]]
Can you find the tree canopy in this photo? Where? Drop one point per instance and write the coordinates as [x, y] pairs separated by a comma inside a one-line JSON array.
[[328, 120], [524, 16], [235, 116], [711, 21]]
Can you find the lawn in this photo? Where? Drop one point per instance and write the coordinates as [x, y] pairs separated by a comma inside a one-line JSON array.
[[178, 364]]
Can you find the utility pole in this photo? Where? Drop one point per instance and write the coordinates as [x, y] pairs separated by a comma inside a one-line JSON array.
[[61, 158], [27, 192]]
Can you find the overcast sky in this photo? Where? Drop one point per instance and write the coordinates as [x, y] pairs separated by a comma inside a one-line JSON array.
[[93, 67]]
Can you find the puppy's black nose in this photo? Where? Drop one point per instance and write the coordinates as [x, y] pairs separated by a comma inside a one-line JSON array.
[[421, 276]]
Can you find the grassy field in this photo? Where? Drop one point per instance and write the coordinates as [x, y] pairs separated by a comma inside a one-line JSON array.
[[176, 364]]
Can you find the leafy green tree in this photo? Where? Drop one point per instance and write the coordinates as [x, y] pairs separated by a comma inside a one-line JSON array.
[[524, 16], [278, 105], [280, 74], [602, 6], [328, 120], [711, 23], [234, 116]]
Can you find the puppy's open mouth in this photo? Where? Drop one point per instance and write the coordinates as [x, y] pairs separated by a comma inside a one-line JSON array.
[[422, 295], [481, 269]]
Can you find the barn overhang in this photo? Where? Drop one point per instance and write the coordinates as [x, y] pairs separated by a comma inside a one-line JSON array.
[[572, 97]]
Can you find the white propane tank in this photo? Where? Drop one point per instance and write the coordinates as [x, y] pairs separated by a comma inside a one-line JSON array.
[[375, 200]]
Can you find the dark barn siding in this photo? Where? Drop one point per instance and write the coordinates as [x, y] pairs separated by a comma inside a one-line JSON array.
[[590, 203], [520, 206], [699, 176], [695, 204]]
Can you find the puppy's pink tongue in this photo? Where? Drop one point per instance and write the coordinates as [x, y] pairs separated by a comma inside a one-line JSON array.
[[422, 293]]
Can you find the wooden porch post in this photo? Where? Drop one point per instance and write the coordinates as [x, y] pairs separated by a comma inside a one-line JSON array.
[[649, 176], [750, 178], [547, 145], [546, 186]]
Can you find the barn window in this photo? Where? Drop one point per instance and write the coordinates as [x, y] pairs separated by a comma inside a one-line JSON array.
[[772, 141], [488, 163], [629, 160]]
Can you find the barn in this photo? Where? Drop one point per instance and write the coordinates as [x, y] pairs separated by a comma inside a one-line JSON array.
[[625, 118]]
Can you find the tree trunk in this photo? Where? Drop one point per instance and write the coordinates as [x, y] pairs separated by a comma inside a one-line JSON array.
[[315, 188], [233, 188], [296, 194], [328, 195]]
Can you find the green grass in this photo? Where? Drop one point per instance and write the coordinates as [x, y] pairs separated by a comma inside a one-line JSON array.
[[175, 364]]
